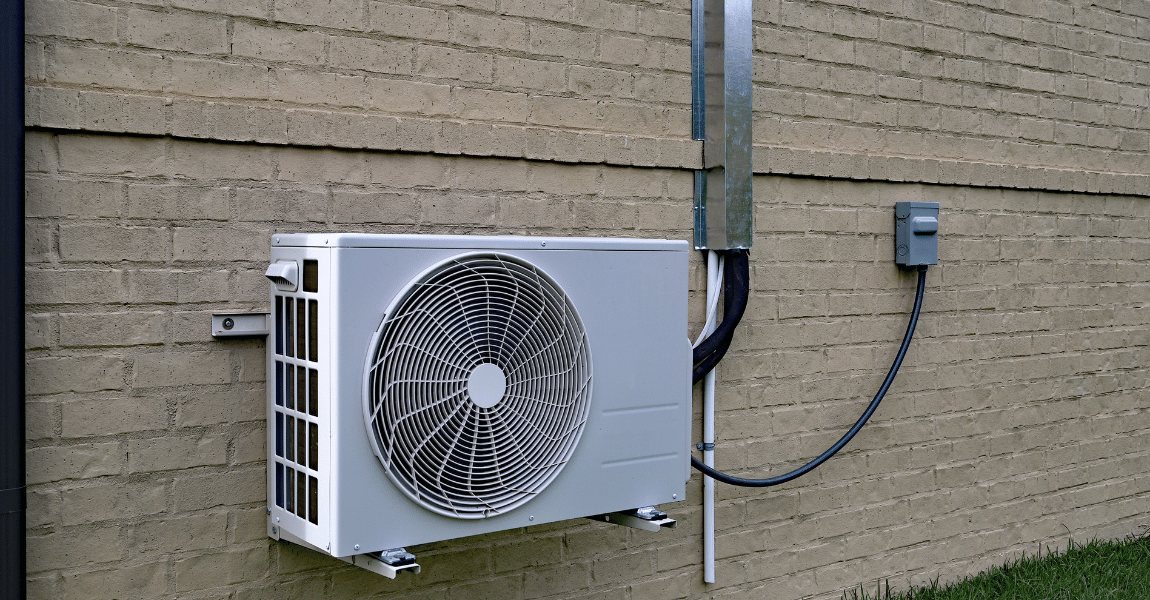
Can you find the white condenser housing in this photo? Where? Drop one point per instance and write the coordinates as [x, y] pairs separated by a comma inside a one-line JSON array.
[[423, 388]]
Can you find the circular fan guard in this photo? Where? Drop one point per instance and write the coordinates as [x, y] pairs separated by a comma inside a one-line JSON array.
[[432, 402]]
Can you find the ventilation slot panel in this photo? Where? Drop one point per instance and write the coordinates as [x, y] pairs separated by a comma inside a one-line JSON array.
[[297, 403]]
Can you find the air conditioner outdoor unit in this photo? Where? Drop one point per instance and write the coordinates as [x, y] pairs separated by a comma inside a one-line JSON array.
[[423, 388]]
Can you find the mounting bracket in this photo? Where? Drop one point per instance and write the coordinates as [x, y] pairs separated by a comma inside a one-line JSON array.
[[647, 518], [240, 324], [388, 563]]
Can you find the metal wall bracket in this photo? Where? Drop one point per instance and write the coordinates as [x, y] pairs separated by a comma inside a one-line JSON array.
[[240, 324], [388, 563], [647, 518]]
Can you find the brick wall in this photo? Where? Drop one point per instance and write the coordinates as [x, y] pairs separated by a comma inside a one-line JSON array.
[[167, 140]]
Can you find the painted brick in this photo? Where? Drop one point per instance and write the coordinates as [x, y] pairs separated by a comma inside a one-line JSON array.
[[53, 375], [170, 454], [74, 20], [185, 32], [183, 368], [277, 43]]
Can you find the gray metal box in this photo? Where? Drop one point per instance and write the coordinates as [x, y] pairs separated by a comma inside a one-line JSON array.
[[916, 233]]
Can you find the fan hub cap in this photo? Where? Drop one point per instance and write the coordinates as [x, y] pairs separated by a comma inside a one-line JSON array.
[[486, 385]]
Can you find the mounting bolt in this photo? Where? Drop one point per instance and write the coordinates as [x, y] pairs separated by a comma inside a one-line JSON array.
[[543, 243], [674, 496], [229, 323], [269, 511], [275, 530], [357, 546], [531, 518], [277, 519]]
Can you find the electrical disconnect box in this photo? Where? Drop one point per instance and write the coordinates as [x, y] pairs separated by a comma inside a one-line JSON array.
[[916, 233]]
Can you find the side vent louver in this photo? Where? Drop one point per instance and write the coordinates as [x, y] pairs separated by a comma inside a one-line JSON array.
[[297, 395]]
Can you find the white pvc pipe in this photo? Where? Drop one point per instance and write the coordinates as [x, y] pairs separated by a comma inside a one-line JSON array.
[[709, 433]]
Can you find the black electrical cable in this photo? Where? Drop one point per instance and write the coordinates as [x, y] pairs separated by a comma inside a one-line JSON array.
[[810, 466], [736, 289]]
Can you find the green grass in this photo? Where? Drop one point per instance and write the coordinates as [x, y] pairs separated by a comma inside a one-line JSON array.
[[1096, 570]]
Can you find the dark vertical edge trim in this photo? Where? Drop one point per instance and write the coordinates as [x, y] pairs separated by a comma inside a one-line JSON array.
[[13, 499]]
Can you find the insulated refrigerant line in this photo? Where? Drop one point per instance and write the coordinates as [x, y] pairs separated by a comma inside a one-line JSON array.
[[846, 438]]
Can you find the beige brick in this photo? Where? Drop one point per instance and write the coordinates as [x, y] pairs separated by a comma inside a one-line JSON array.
[[136, 581], [544, 581], [112, 155], [366, 54], [173, 453], [177, 202], [461, 211], [410, 171], [539, 75], [528, 554], [181, 368], [564, 112], [39, 331], [375, 208], [477, 31], [92, 243], [83, 418], [40, 153], [487, 105], [233, 487], [554, 41], [408, 21], [337, 14], [258, 204], [247, 8], [631, 51], [451, 64], [277, 43], [479, 175], [202, 408], [70, 550], [609, 16], [396, 96], [75, 20], [53, 375], [296, 164], [81, 461], [207, 571], [111, 329], [623, 568], [250, 447], [106, 501], [151, 286], [588, 81], [195, 244], [197, 160], [198, 532], [96, 67], [202, 286], [185, 32], [39, 243], [217, 79]]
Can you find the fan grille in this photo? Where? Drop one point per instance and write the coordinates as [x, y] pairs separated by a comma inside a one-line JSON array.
[[478, 385]]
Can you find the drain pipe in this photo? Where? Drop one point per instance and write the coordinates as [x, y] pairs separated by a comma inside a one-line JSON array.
[[721, 44], [12, 480], [709, 432]]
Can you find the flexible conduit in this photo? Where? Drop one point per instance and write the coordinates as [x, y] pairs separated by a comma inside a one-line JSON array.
[[846, 438]]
